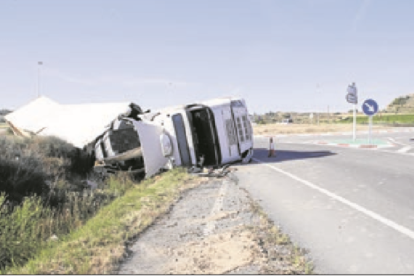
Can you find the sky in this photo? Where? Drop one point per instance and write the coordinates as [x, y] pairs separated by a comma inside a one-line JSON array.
[[280, 55]]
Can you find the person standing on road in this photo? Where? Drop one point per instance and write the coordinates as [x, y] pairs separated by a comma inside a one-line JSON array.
[[271, 148]]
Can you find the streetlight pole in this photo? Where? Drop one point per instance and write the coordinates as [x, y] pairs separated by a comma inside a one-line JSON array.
[[317, 95], [39, 63]]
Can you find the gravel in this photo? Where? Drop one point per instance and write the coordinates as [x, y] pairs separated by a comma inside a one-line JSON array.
[[212, 229]]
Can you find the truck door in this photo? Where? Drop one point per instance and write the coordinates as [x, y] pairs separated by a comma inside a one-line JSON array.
[[149, 134]]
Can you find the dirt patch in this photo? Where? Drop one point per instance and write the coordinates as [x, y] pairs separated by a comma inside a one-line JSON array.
[[273, 129], [216, 254], [215, 228]]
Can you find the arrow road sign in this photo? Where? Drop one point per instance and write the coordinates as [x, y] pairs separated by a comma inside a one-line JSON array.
[[370, 107]]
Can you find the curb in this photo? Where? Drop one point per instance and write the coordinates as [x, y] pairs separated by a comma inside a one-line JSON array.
[[363, 146]]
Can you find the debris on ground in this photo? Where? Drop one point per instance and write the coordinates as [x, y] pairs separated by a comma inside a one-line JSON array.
[[211, 172]]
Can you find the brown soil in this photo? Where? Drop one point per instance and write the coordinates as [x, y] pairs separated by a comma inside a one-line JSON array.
[[216, 254], [273, 129]]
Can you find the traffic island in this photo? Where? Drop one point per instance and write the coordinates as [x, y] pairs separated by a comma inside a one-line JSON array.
[[358, 143]]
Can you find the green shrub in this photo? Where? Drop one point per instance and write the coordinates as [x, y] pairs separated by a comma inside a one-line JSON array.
[[99, 244], [383, 119], [18, 231], [22, 177], [28, 165], [42, 194], [400, 100], [77, 161], [4, 111], [31, 226]]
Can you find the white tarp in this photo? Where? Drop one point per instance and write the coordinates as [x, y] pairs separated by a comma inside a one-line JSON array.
[[34, 116], [76, 124]]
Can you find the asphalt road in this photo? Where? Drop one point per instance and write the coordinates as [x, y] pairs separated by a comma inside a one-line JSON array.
[[352, 208]]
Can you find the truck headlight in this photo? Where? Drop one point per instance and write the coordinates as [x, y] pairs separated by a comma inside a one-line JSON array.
[[166, 145]]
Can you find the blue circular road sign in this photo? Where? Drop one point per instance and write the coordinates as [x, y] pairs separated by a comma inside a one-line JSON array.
[[370, 107]]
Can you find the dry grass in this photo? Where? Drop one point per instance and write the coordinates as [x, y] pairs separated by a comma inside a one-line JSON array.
[[101, 244], [279, 254], [42, 195], [28, 228], [274, 129]]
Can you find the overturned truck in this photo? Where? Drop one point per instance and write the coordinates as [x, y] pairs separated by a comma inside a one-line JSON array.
[[210, 133]]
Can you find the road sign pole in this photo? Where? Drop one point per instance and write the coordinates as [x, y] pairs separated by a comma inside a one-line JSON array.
[[354, 126], [352, 97], [370, 108], [370, 127]]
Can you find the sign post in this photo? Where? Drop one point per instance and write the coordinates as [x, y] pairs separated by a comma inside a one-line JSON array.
[[354, 125], [352, 97], [369, 129], [370, 108]]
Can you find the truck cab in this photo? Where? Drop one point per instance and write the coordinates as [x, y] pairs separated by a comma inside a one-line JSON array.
[[210, 133]]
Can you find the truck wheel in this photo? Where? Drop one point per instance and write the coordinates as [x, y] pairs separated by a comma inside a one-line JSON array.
[[247, 156]]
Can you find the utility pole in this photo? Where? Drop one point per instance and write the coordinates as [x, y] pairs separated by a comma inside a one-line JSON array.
[[39, 64], [329, 116], [317, 95]]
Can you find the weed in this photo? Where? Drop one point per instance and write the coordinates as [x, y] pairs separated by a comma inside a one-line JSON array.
[[272, 238], [43, 196], [35, 166], [99, 244]]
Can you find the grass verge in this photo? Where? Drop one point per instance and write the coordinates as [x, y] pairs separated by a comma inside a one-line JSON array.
[[101, 244], [383, 119], [273, 129], [280, 254]]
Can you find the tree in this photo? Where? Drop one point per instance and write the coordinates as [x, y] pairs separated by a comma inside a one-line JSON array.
[[4, 111]]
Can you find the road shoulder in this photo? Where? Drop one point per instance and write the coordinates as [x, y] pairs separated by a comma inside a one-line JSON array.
[[215, 228]]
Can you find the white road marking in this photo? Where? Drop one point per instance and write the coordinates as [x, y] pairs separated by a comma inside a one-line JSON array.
[[396, 152], [218, 205], [395, 142], [404, 149], [399, 228], [392, 140]]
